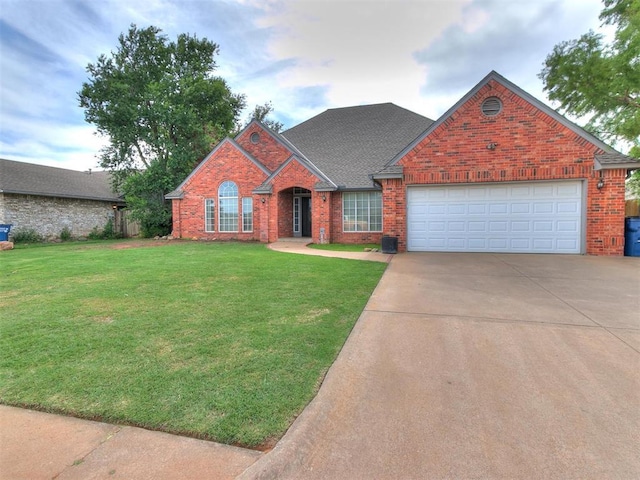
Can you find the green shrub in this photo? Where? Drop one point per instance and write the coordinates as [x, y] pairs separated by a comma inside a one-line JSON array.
[[27, 235], [65, 234], [95, 234], [107, 233]]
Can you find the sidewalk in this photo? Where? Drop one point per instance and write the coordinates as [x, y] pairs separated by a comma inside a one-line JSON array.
[[36, 445], [301, 247]]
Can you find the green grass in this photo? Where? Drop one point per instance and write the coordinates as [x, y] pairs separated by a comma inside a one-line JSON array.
[[344, 247], [222, 341]]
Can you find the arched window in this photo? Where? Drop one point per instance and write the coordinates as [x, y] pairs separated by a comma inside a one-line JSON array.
[[228, 207]]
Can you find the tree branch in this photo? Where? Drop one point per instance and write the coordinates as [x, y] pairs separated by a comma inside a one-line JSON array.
[[144, 160]]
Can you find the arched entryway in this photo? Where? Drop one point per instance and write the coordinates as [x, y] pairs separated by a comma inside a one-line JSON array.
[[294, 217]]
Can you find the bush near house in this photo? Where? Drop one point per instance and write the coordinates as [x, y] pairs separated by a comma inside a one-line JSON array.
[[28, 235]]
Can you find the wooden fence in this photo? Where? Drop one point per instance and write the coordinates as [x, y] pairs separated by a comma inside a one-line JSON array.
[[632, 208], [124, 225]]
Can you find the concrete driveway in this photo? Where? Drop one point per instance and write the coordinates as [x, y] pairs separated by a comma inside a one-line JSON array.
[[480, 366]]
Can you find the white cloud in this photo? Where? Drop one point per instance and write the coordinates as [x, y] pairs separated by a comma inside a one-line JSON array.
[[302, 55], [361, 51]]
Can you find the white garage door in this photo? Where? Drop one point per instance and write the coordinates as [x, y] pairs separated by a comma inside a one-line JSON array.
[[532, 217]]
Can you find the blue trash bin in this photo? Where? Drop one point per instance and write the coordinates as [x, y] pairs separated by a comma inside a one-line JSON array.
[[632, 237], [4, 232]]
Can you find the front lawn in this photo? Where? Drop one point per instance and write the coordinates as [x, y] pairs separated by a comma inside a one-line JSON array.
[[223, 341]]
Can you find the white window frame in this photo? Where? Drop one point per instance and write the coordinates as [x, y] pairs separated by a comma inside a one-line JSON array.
[[228, 198], [247, 214], [209, 215], [296, 215], [362, 210]]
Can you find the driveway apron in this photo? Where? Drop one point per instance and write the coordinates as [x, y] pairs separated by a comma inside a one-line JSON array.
[[480, 366]]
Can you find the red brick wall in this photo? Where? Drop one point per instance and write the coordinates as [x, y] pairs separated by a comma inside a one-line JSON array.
[[605, 214], [531, 145], [228, 163], [268, 151], [285, 213]]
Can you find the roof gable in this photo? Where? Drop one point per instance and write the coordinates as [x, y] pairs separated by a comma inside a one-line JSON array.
[[613, 157], [178, 192], [323, 184], [265, 145], [32, 179]]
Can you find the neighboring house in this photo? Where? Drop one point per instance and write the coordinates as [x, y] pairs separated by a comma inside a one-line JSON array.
[[499, 172], [49, 199]]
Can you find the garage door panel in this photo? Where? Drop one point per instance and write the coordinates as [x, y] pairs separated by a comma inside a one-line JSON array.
[[521, 226], [497, 227], [478, 244], [543, 208], [498, 209], [543, 244], [498, 244], [521, 191], [437, 226], [477, 193], [567, 226], [567, 245], [568, 207], [530, 217], [543, 190], [456, 226], [520, 244], [524, 208], [475, 226], [543, 227], [568, 190], [498, 192], [456, 243], [456, 209], [477, 209]]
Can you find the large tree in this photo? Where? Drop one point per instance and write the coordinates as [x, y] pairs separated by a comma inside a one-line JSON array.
[[593, 79], [162, 110], [261, 113]]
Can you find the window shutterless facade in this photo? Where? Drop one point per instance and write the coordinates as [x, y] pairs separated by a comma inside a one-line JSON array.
[[247, 214], [362, 212], [209, 215], [228, 207]]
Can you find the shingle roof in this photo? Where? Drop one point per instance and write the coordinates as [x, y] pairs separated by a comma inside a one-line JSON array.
[[31, 179], [612, 160], [349, 144]]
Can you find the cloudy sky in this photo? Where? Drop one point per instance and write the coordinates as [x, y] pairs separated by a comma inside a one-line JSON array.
[[302, 55]]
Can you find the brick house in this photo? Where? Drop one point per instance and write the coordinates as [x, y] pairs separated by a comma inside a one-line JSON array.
[[498, 172], [49, 199]]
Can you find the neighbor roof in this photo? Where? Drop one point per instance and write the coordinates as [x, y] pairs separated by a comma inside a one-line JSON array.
[[349, 144], [31, 179]]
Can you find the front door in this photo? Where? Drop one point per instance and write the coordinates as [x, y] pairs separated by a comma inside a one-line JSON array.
[[306, 216], [302, 216]]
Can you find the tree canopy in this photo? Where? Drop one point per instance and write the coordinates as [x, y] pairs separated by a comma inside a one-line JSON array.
[[261, 113], [162, 110], [601, 81]]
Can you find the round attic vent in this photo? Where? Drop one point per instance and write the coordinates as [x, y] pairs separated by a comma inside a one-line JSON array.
[[491, 107], [255, 137]]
